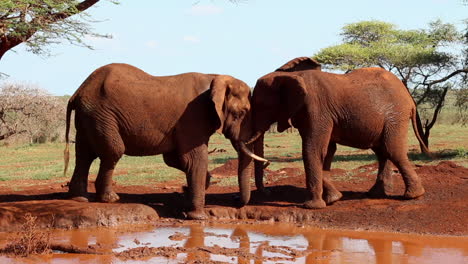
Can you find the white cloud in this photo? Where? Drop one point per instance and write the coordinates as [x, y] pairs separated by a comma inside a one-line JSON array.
[[152, 44], [192, 39], [205, 10]]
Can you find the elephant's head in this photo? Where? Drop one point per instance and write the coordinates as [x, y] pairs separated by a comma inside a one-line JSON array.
[[231, 98], [271, 96], [277, 97], [300, 64]]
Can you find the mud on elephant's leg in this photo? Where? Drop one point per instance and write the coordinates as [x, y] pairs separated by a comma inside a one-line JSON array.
[[103, 184], [173, 160], [413, 184], [195, 163], [313, 165], [384, 183], [330, 193], [398, 155], [78, 187]]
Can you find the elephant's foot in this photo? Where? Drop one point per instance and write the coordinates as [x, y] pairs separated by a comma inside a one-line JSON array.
[[197, 215], [78, 196], [332, 196], [81, 199], [315, 204], [379, 190], [108, 197], [412, 193]]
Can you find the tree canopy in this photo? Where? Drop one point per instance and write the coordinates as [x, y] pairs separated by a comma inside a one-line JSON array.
[[376, 43], [424, 59], [41, 22]]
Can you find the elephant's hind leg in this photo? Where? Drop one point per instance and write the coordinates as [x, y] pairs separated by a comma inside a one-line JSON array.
[[111, 150], [412, 181], [103, 184], [396, 146], [84, 156], [384, 183]]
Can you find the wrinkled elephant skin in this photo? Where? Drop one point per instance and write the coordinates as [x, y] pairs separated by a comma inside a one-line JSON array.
[[120, 109]]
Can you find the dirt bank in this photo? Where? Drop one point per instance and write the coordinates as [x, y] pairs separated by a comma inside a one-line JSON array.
[[443, 210]]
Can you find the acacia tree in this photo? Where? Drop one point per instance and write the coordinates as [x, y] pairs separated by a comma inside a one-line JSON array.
[[38, 23], [427, 61]]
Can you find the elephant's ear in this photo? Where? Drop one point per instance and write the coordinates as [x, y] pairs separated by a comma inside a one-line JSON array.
[[300, 64], [292, 91], [218, 89]]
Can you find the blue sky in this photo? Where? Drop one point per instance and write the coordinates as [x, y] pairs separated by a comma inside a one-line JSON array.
[[245, 40]]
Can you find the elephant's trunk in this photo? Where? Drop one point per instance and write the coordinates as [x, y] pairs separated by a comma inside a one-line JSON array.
[[244, 174], [258, 150]]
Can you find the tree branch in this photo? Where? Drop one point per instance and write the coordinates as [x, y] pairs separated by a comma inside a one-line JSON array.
[[71, 11], [447, 77], [437, 110]]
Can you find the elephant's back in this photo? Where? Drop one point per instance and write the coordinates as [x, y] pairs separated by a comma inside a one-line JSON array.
[[370, 100], [143, 108]]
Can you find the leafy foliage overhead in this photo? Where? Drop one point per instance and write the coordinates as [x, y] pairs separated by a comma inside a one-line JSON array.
[[42, 22], [376, 43]]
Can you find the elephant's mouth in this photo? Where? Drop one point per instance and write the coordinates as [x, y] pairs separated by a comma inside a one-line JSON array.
[[228, 133]]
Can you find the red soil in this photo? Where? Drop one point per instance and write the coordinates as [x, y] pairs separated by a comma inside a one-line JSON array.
[[442, 210]]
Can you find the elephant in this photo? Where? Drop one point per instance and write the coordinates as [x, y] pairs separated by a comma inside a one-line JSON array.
[[120, 109], [367, 108]]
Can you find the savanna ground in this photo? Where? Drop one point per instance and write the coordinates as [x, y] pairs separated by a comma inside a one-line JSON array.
[[32, 181]]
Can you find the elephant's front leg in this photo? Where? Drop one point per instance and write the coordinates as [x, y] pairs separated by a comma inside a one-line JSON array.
[[330, 193], [196, 162], [313, 153]]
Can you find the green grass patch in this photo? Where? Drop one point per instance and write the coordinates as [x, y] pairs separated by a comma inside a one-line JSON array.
[[227, 181], [44, 162]]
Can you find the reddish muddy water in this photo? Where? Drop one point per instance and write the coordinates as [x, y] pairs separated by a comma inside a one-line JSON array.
[[248, 243]]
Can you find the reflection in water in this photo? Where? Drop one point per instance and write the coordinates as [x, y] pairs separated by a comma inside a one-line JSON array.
[[196, 240], [259, 244]]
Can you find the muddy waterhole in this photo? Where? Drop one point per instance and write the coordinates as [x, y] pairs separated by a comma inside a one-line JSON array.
[[246, 243]]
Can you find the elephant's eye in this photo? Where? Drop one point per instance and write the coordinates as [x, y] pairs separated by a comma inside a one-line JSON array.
[[239, 114]]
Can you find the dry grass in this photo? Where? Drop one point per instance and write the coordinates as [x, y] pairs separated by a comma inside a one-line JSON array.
[[30, 241]]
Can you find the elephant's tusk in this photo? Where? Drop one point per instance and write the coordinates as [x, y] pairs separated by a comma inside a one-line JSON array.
[[254, 138], [253, 156]]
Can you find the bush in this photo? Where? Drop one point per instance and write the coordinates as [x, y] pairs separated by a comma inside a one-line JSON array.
[[28, 113]]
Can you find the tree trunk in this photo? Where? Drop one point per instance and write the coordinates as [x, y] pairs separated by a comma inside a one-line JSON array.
[[429, 124]]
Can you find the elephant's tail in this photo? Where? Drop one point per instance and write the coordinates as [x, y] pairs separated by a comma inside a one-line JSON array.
[[414, 123], [66, 152]]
